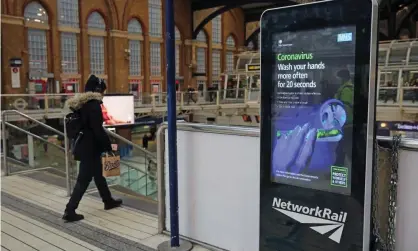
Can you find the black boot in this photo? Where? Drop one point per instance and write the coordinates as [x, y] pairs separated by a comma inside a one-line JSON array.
[[72, 217], [112, 204]]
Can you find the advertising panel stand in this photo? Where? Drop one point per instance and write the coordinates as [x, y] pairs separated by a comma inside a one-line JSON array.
[[318, 68]]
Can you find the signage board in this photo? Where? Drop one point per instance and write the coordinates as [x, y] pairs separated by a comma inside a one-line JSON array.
[[252, 67], [398, 126], [15, 71], [318, 67], [15, 62]]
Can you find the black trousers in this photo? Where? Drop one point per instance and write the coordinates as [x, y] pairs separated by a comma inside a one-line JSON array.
[[89, 168]]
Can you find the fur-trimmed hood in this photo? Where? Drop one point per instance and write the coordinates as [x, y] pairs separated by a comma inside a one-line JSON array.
[[79, 100]]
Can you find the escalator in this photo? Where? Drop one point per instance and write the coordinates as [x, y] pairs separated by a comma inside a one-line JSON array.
[[45, 158]]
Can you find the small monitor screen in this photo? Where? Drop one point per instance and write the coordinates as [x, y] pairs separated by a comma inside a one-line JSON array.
[[118, 110], [312, 106]]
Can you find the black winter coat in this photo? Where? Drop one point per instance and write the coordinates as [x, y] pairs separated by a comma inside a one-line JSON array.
[[95, 140]]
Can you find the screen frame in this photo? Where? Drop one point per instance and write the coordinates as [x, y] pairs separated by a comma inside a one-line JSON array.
[[265, 111]]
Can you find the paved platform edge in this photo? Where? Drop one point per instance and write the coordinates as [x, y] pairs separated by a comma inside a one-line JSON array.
[[85, 232]]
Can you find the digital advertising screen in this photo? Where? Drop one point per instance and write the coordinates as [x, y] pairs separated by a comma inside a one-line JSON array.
[[318, 98], [312, 108], [118, 110]]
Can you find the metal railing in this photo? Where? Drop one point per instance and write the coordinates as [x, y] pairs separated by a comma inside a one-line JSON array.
[[148, 156], [54, 103]]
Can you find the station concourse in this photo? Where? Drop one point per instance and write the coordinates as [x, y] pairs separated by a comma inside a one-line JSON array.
[[51, 47]]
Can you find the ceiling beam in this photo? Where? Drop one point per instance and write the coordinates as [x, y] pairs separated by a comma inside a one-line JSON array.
[[212, 16], [206, 4], [254, 14]]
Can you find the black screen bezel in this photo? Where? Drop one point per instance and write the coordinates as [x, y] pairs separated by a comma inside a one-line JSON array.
[[363, 15]]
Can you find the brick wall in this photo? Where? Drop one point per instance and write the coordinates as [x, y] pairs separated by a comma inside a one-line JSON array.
[[116, 15]]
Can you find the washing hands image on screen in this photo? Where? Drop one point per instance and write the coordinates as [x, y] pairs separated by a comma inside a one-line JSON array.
[[294, 149]]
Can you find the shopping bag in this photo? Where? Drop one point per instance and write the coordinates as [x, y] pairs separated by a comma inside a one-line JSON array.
[[111, 165]]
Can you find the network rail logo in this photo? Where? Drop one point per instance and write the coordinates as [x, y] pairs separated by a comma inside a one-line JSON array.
[[323, 221]]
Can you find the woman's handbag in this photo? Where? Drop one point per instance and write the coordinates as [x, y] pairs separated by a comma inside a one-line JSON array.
[[111, 165]]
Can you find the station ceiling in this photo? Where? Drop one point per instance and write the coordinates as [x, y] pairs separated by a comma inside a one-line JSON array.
[[254, 8]]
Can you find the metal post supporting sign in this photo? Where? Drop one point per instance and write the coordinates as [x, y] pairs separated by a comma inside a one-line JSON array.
[[174, 244]]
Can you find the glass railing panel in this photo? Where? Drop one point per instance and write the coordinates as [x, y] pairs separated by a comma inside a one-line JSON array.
[[409, 84], [134, 166], [57, 101], [382, 57], [151, 185], [206, 97], [27, 152], [388, 88], [191, 98], [136, 185], [410, 96], [254, 95], [165, 97], [233, 96], [145, 100], [413, 56], [397, 56], [160, 99], [388, 96], [33, 102], [23, 102]]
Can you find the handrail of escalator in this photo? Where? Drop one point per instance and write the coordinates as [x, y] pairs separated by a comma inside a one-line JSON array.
[[153, 158], [33, 135], [31, 119]]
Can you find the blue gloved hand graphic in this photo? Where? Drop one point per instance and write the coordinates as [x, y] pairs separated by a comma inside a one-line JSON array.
[[294, 150]]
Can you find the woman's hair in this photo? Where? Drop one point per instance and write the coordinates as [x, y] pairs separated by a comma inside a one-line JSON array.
[[95, 84]]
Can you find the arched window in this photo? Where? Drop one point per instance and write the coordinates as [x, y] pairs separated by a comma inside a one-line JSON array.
[[134, 27], [136, 54], [155, 18], [217, 29], [135, 47], [96, 21], [201, 53], [216, 68], [229, 56], [201, 37], [36, 20], [97, 33], [68, 16], [230, 41], [35, 12], [201, 44], [155, 32], [178, 48], [216, 50]]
